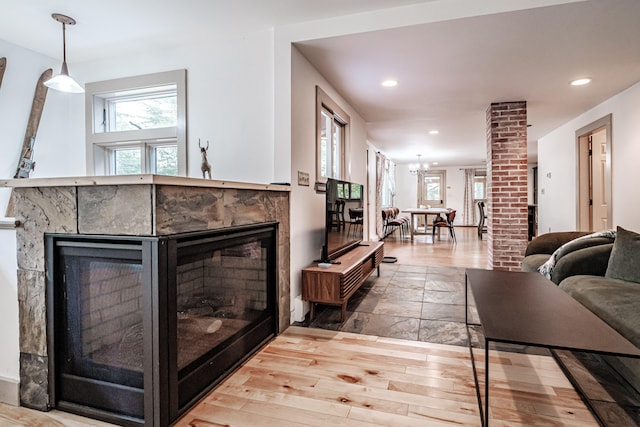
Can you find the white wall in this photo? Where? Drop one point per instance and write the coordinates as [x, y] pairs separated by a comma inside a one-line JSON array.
[[53, 142], [307, 214], [407, 189], [230, 97], [557, 172], [55, 154], [10, 354]]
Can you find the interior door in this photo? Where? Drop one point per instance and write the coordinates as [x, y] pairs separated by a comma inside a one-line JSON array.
[[594, 179], [431, 189], [598, 178]]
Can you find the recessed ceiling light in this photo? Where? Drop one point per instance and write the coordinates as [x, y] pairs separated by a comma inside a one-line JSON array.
[[433, 132], [390, 83], [435, 163], [580, 82]]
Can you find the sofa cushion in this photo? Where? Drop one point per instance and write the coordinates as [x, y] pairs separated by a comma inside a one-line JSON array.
[[532, 262], [624, 260], [614, 301], [594, 239]]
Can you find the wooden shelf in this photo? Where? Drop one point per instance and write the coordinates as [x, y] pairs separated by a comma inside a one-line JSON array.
[[335, 285]]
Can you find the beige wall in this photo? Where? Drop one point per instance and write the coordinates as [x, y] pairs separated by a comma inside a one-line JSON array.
[[307, 216]]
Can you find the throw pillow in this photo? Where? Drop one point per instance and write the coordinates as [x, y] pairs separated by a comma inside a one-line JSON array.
[[623, 262]]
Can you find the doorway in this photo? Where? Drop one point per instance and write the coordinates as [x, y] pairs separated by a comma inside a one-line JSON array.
[[431, 190], [594, 175], [431, 185]]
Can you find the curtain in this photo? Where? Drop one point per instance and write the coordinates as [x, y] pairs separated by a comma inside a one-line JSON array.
[[469, 211], [380, 166], [391, 176]]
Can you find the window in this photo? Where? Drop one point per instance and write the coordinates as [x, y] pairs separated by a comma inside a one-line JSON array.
[[388, 183], [480, 185], [349, 191], [136, 125], [332, 128]]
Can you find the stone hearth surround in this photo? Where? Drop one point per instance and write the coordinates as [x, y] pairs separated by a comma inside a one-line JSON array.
[[124, 205]]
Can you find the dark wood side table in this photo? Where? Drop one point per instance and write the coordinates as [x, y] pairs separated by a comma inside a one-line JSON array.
[[525, 308]]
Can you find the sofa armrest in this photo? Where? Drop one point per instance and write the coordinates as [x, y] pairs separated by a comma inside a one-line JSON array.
[[549, 242], [591, 261]]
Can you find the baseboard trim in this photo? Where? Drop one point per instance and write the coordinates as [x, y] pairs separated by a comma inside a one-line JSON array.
[[10, 391]]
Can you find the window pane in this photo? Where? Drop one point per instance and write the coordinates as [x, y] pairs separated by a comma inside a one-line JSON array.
[[127, 161], [356, 192], [479, 188], [432, 185], [144, 113], [325, 153], [166, 160], [335, 154]]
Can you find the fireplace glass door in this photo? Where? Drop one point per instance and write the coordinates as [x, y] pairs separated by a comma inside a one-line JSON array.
[[99, 359], [223, 294]]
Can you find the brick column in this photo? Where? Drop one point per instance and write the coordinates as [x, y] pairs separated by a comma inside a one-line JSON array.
[[506, 184]]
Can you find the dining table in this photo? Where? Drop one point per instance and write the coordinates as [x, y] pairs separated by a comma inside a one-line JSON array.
[[415, 212]]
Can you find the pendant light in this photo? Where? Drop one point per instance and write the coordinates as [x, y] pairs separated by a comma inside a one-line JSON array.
[[63, 82]]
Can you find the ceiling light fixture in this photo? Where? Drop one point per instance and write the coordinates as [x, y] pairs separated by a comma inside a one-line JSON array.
[[415, 168], [63, 82], [390, 83], [580, 82], [433, 132]]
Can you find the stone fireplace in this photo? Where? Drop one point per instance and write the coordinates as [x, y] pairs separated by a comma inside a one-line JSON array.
[[137, 212]]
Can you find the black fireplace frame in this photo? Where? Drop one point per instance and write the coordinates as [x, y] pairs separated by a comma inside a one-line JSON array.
[[165, 396]]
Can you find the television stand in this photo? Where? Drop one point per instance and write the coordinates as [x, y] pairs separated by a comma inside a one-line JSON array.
[[335, 285]]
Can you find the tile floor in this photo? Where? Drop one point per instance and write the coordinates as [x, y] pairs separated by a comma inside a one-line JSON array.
[[417, 303]]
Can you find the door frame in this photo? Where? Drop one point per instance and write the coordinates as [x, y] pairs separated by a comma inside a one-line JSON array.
[[585, 131], [443, 174]]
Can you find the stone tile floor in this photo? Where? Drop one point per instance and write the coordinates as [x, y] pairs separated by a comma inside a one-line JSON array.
[[410, 302], [427, 303]]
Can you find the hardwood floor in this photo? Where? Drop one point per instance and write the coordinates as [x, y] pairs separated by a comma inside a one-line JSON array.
[[469, 251], [316, 377], [309, 376]]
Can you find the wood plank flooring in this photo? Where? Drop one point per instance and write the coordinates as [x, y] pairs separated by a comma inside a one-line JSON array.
[[469, 251], [317, 377]]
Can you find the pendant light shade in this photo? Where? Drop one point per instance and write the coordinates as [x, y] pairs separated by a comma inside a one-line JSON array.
[[63, 81]]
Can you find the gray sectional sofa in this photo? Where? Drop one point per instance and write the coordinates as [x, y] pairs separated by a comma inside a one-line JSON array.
[[601, 273]]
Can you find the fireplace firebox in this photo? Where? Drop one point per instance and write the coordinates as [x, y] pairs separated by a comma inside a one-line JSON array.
[[140, 328]]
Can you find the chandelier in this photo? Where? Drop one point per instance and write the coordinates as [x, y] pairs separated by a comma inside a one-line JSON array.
[[414, 168]]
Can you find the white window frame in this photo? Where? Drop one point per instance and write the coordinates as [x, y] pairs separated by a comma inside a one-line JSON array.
[[100, 144]]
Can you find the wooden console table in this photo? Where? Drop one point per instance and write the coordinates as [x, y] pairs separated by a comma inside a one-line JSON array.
[[336, 284]]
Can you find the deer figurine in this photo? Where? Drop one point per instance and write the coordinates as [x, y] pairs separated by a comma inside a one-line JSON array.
[[205, 167]]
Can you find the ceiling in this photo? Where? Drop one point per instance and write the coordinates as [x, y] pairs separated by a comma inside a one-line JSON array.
[[448, 72], [114, 27]]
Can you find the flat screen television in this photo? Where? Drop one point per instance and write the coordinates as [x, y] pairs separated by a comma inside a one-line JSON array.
[[344, 218]]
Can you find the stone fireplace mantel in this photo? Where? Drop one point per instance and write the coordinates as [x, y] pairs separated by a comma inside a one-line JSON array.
[[134, 205]]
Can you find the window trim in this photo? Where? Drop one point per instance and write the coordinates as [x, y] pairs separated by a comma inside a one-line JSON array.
[[324, 102], [99, 144]]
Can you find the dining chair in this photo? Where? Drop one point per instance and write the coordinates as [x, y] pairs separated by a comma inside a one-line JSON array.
[[482, 218], [446, 221], [336, 216], [356, 219]]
